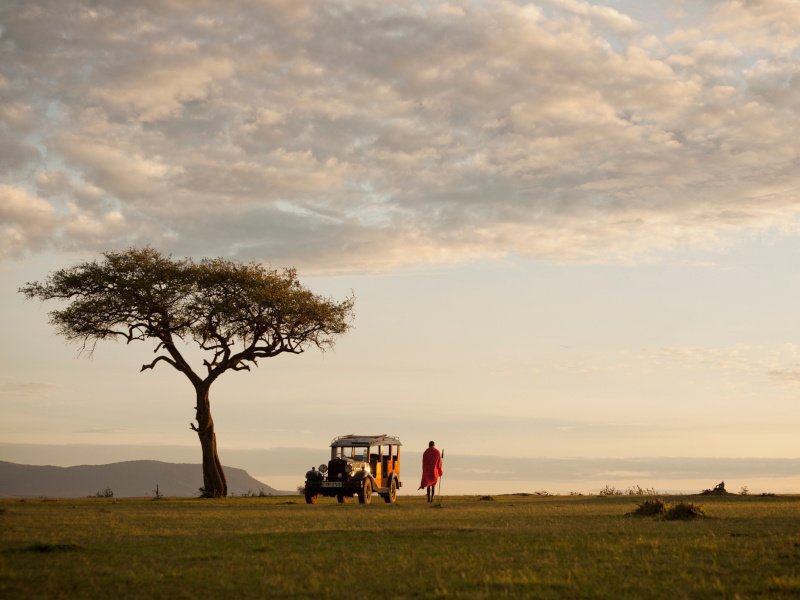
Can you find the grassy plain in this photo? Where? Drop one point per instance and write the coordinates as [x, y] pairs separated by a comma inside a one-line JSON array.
[[508, 547]]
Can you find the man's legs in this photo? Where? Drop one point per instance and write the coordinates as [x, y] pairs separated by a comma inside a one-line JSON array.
[[430, 491]]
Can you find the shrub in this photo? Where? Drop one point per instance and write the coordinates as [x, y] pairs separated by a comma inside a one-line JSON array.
[[717, 490], [609, 490], [262, 494], [640, 491], [649, 508], [684, 511], [106, 493]]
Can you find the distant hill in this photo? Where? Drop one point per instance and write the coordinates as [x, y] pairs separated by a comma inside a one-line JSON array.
[[125, 479]]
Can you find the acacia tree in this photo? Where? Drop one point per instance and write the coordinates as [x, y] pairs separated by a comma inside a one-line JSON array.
[[235, 313]]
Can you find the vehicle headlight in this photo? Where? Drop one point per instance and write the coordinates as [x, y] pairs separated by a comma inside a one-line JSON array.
[[323, 468]]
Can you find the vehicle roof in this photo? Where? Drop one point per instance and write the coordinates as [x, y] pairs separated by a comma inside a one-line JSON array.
[[346, 441]]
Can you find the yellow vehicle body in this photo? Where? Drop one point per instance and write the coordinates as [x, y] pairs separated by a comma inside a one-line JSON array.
[[359, 466]]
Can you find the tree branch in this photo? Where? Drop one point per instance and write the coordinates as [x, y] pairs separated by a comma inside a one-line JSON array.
[[166, 359]]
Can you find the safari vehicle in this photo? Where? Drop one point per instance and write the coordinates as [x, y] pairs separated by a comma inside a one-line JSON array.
[[360, 465]]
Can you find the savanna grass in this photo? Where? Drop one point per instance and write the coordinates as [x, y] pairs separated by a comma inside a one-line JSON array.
[[513, 547]]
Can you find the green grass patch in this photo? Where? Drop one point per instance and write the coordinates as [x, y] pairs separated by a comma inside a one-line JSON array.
[[512, 547]]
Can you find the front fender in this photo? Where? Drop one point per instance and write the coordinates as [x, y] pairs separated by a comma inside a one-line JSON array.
[[361, 476]]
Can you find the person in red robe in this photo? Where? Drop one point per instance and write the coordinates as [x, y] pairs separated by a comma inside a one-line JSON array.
[[431, 470]]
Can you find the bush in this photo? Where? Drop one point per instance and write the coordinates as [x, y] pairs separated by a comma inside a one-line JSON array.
[[106, 493], [649, 508], [637, 490], [684, 511], [640, 491], [261, 493], [717, 490]]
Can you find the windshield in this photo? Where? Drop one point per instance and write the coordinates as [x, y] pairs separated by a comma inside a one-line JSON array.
[[358, 453]]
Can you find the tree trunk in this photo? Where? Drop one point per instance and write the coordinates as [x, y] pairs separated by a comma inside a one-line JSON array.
[[214, 483]]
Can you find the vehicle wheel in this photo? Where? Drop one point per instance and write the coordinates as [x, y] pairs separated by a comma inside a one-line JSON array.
[[342, 499], [391, 497], [365, 493], [312, 498]]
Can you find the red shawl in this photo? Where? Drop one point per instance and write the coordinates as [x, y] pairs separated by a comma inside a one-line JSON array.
[[431, 467]]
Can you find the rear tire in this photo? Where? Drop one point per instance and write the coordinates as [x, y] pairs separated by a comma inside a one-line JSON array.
[[391, 496], [342, 499], [312, 498], [365, 493]]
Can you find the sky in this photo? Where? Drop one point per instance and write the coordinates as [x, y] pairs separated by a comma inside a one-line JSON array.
[[571, 228]]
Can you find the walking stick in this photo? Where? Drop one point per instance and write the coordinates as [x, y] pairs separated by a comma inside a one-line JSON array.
[[440, 480]]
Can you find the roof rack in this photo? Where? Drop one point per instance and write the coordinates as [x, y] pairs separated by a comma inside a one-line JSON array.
[[346, 441]]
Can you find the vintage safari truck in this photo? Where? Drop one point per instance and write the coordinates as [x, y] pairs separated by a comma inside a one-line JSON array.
[[360, 465]]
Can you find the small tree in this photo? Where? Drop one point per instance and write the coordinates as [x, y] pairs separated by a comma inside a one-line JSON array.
[[235, 313]]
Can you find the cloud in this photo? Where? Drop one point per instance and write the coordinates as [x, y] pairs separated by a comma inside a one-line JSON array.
[[604, 15], [25, 389], [26, 221], [367, 136], [778, 364], [156, 91], [787, 375], [769, 25], [116, 166]]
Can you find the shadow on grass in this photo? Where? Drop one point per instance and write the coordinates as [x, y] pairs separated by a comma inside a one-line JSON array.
[[42, 548]]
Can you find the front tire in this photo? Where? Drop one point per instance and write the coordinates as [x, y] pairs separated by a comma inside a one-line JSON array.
[[342, 499], [311, 498], [365, 493]]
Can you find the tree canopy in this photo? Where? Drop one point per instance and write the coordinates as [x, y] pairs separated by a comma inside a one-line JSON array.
[[236, 313]]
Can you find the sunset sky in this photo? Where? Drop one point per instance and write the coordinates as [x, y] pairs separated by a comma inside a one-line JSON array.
[[572, 229]]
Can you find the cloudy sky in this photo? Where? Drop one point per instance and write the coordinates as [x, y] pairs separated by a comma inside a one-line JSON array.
[[571, 228]]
